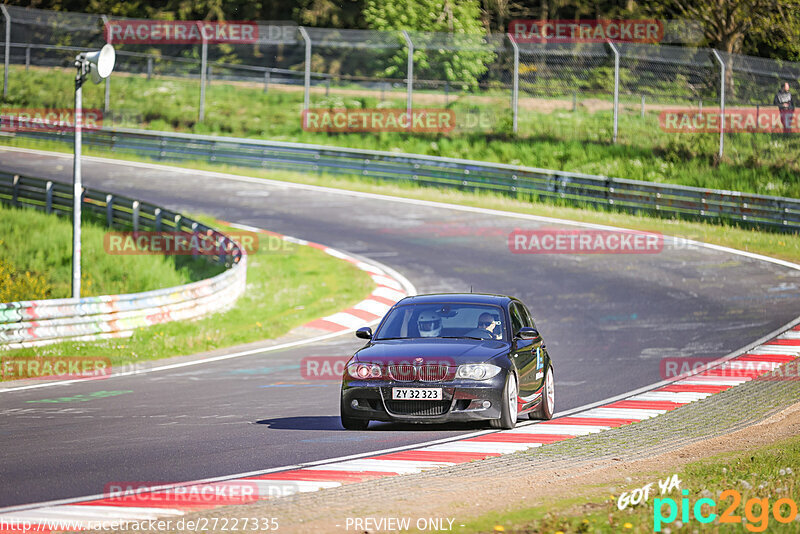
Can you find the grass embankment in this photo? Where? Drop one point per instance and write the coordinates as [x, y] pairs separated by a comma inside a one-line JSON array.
[[36, 261], [549, 135], [287, 286], [766, 474]]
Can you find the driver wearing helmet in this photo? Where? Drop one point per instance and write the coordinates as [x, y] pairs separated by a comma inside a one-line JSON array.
[[429, 324], [487, 322]]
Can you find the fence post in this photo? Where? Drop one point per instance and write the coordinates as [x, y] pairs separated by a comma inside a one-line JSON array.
[[514, 82], [7, 60], [307, 76], [203, 66], [110, 210], [410, 78], [616, 88], [48, 202], [721, 101], [642, 113], [135, 215], [107, 93]]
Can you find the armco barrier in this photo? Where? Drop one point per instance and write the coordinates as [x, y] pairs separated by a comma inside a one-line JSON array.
[[628, 195], [32, 323]]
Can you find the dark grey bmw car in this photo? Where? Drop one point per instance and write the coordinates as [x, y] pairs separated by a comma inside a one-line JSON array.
[[450, 357]]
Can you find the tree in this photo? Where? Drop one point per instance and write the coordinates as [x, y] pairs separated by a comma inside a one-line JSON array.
[[461, 56], [736, 26]]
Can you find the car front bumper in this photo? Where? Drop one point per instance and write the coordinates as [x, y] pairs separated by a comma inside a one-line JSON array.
[[462, 400]]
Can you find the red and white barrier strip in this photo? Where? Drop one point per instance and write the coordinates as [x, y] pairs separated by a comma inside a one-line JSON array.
[[172, 502], [389, 289]]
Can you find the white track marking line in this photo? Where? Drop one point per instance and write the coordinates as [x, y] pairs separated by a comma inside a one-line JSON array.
[[561, 430], [623, 413], [346, 320], [386, 281], [671, 396], [270, 489], [373, 306], [389, 466], [478, 446], [389, 293]]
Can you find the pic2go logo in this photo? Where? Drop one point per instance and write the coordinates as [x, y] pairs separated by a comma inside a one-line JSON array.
[[756, 511]]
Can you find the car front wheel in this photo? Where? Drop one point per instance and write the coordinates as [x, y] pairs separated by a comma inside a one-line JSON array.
[[350, 423], [508, 410]]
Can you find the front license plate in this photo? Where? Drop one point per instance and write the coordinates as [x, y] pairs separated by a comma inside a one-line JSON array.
[[416, 393]]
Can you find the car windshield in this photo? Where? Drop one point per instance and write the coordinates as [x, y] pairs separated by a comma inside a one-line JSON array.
[[448, 320]]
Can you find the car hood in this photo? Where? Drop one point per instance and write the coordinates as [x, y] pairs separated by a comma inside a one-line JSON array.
[[406, 350]]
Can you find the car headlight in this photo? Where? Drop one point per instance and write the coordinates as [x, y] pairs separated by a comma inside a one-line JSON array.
[[477, 371], [363, 371]]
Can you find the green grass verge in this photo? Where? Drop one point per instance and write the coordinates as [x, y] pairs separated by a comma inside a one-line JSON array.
[[36, 249], [576, 141], [783, 246], [769, 473], [287, 286]]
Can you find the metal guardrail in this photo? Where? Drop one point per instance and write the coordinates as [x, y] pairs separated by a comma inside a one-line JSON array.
[[666, 200], [33, 323]]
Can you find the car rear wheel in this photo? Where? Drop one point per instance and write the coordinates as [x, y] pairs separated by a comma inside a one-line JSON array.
[[350, 423], [545, 408], [508, 410]]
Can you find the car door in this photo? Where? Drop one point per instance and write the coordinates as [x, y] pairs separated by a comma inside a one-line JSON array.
[[524, 357], [538, 350]]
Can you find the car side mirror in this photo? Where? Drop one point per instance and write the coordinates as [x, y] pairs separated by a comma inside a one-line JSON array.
[[364, 332], [527, 332]]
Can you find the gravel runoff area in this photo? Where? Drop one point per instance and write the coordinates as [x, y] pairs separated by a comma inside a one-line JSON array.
[[466, 491]]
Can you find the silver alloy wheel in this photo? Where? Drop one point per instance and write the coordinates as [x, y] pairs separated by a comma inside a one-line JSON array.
[[550, 391], [513, 405]]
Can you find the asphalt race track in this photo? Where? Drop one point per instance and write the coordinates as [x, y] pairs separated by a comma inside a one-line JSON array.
[[608, 321]]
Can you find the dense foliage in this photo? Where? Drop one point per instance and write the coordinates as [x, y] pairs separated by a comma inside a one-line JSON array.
[[768, 28]]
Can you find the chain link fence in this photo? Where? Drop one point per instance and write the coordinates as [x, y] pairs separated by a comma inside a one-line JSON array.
[[582, 92]]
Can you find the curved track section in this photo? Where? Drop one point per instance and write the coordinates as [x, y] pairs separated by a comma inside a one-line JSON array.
[[608, 319]]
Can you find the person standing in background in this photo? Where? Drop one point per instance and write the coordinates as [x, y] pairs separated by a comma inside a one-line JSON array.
[[783, 99]]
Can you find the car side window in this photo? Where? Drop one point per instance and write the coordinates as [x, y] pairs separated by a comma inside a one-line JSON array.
[[527, 317], [516, 319]]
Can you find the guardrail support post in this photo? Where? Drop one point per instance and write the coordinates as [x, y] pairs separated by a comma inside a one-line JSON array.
[[266, 81], [307, 66], [149, 67], [15, 190], [27, 58], [7, 59], [721, 101], [157, 214], [48, 198], [135, 215], [616, 88], [410, 77], [110, 210], [514, 82]]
